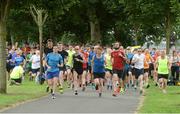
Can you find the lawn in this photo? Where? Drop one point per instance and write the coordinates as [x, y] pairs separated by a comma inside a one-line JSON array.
[[28, 90], [157, 102]]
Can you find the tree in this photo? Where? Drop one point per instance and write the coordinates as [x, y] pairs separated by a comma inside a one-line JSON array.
[[39, 16], [4, 8]]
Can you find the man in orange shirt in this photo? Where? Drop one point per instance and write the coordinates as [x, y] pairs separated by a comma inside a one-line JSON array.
[[148, 59]]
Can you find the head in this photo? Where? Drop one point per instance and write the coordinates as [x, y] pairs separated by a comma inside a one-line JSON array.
[[60, 46], [117, 45], [55, 49], [109, 50], [139, 51], [146, 51], [70, 47], [99, 50], [175, 53], [37, 52], [163, 53], [49, 43], [76, 49], [95, 48], [128, 50]]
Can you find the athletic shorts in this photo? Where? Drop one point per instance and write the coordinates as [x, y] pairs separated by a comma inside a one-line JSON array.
[[151, 66], [34, 71], [90, 69], [146, 70], [138, 72], [127, 70], [78, 70], [19, 80], [68, 67], [108, 70], [120, 73], [51, 75], [165, 76], [62, 68], [99, 75]]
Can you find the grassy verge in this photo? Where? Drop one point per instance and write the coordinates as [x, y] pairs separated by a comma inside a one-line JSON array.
[[28, 90], [157, 102]]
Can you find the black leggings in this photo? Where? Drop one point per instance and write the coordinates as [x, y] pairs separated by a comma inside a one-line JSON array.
[[175, 70]]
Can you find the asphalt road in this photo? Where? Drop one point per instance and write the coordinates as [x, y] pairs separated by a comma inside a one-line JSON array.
[[85, 102]]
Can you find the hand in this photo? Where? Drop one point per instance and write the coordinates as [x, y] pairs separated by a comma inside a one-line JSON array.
[[48, 67]]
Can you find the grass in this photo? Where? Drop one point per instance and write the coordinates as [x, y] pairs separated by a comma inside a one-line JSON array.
[[157, 102], [28, 90]]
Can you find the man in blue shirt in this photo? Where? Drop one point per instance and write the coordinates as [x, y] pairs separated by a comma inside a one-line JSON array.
[[53, 62]]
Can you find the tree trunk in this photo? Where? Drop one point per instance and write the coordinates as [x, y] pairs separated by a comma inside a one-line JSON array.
[[41, 48], [95, 31], [168, 32], [3, 81], [12, 39]]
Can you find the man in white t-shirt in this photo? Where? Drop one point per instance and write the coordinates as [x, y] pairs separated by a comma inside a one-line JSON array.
[[35, 59], [138, 60]]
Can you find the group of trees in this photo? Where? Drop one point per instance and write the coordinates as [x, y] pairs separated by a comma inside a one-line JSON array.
[[82, 21]]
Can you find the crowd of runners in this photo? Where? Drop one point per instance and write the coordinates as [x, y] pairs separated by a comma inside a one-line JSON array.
[[112, 67]]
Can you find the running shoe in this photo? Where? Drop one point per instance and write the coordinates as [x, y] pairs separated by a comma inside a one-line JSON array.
[[114, 95], [122, 90], [47, 89], [141, 92], [53, 96], [147, 86], [100, 94], [83, 89], [61, 90], [96, 87], [76, 93]]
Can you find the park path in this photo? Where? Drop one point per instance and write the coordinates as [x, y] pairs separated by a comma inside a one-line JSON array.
[[85, 102]]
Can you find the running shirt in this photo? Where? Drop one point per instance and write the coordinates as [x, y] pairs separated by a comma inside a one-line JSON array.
[[53, 59], [85, 59], [17, 72], [175, 61], [99, 64], [118, 62], [163, 65], [91, 55], [64, 54], [35, 62], [18, 60], [139, 58], [76, 63], [108, 62], [70, 58], [147, 60]]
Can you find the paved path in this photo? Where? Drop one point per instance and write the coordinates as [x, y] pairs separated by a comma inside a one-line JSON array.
[[85, 102]]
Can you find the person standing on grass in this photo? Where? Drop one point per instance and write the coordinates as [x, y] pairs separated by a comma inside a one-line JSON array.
[[98, 64], [175, 59], [53, 62], [163, 65]]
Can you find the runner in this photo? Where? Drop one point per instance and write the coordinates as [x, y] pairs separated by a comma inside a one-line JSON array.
[[69, 65], [148, 60], [62, 72], [77, 68], [35, 66], [128, 68], [118, 59], [98, 63], [163, 65], [53, 62], [138, 60], [108, 68]]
